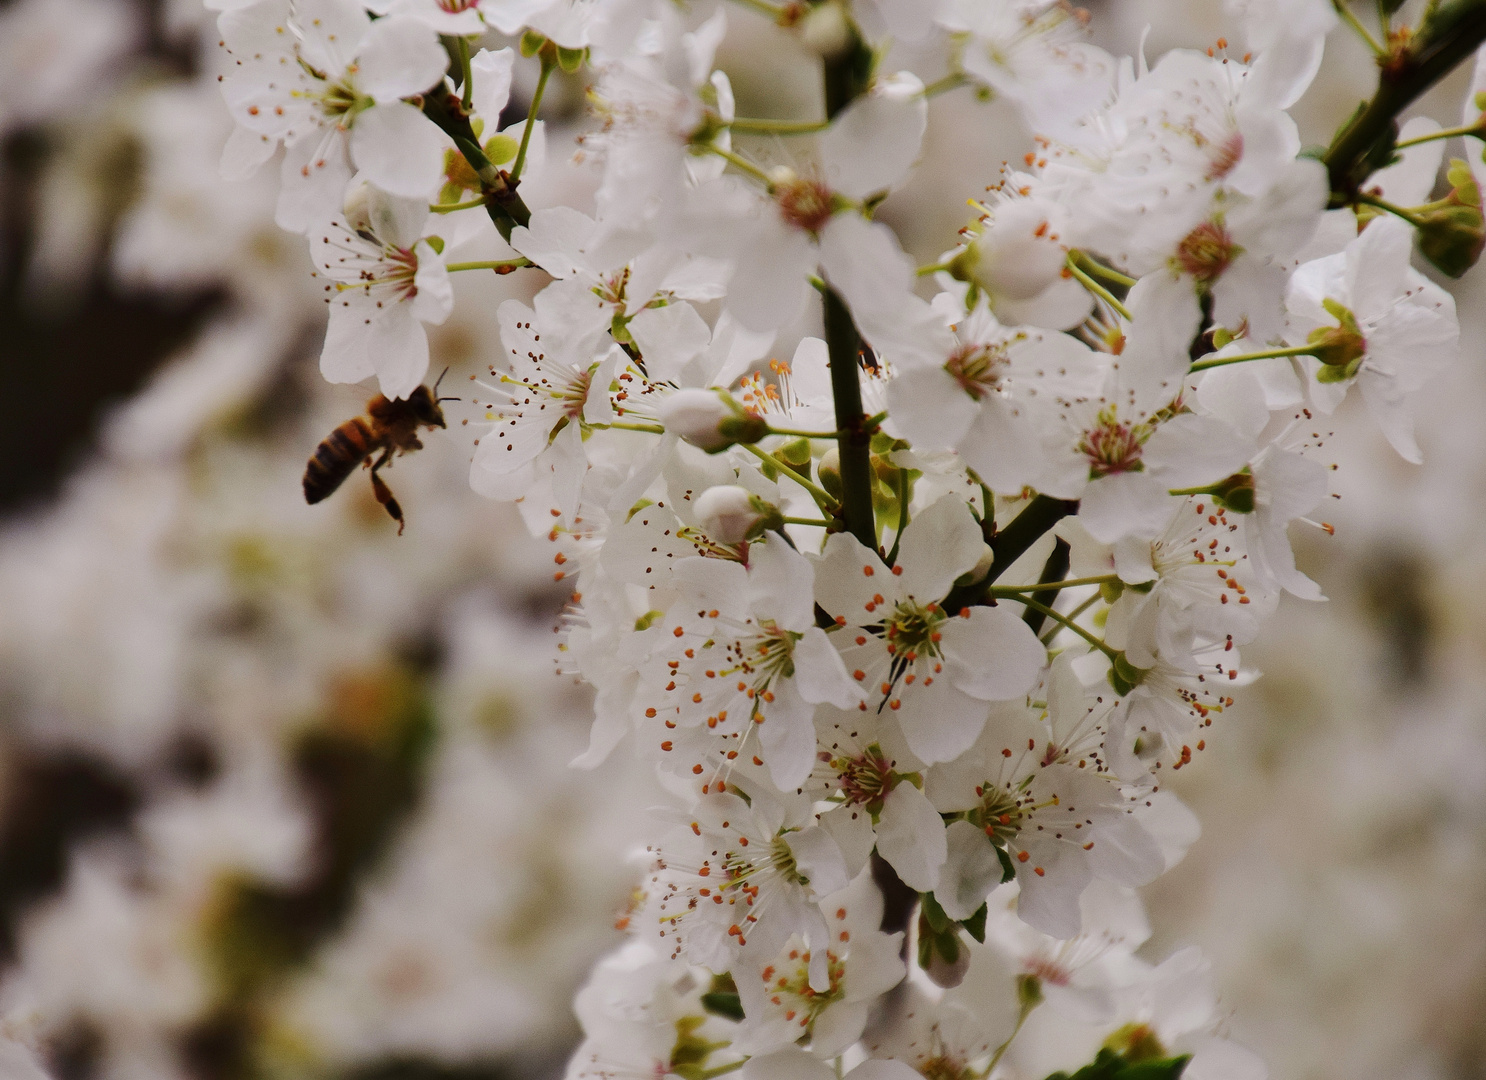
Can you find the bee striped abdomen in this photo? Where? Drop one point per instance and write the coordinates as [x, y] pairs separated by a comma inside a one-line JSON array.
[[336, 457]]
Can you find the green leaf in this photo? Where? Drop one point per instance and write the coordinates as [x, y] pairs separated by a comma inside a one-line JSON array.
[[721, 998], [531, 43], [1111, 1066], [570, 60], [975, 926], [725, 1005], [1008, 868]]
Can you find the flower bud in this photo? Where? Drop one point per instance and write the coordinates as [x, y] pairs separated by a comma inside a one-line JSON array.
[[827, 30], [829, 471], [1452, 233], [731, 514], [981, 568], [1125, 676], [1016, 255], [372, 215], [710, 419], [357, 208]]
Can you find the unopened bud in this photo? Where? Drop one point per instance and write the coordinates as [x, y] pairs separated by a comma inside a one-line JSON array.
[[829, 470], [827, 30], [1236, 493], [1452, 233], [1028, 992], [358, 210], [981, 568], [710, 419], [1340, 348], [1016, 255], [731, 514]]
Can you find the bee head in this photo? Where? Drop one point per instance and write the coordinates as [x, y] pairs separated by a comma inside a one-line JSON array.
[[426, 407]]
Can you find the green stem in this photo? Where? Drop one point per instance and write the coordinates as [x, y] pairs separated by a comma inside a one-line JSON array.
[[758, 126], [1097, 289], [1052, 573], [1355, 24], [933, 268], [1265, 354], [720, 1070], [1021, 1019], [1450, 34], [449, 208], [1098, 269], [772, 11], [804, 434], [1072, 615], [625, 425], [467, 101], [1067, 622], [902, 486], [741, 162], [500, 266], [1045, 586], [1475, 129], [823, 498], [549, 64], [818, 522], [1392, 208], [854, 443], [953, 81]]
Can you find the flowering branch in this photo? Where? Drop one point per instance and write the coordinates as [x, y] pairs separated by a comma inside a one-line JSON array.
[[1451, 33]]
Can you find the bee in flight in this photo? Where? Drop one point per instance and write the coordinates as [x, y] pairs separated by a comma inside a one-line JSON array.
[[388, 426]]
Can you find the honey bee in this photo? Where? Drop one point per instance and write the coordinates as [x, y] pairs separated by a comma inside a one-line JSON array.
[[388, 426]]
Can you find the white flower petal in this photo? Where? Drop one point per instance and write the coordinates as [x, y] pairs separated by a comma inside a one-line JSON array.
[[910, 836], [399, 57], [399, 150]]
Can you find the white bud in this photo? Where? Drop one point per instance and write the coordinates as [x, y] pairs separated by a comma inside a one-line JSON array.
[[827, 30], [728, 513], [370, 213], [709, 419], [782, 176], [357, 208], [982, 566], [1015, 256]]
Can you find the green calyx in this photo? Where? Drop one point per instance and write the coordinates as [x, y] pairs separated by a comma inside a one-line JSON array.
[[742, 427], [1125, 676], [689, 1055], [1340, 348], [1236, 493]]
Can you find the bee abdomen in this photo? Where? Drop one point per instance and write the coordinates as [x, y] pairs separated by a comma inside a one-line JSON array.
[[335, 458]]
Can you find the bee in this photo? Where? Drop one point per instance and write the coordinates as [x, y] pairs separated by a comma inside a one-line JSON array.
[[388, 426]]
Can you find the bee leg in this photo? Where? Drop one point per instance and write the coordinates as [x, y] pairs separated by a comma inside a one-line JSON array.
[[384, 493]]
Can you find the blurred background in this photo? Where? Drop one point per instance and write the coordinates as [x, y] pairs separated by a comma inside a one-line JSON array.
[[283, 795]]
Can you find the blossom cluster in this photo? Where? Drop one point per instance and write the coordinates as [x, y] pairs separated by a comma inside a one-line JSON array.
[[917, 620]]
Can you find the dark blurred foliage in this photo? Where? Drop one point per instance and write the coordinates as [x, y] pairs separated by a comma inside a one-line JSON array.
[[52, 802], [63, 364], [1393, 588]]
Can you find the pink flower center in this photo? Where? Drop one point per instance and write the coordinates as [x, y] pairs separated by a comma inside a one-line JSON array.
[[1206, 252], [805, 204], [1112, 446], [977, 368], [1225, 156]]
